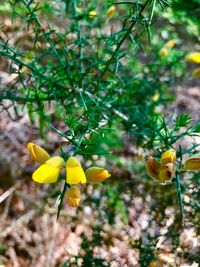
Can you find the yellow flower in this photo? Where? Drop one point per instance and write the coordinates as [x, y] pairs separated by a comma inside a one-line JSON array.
[[96, 174], [192, 163], [171, 43], [49, 171], [164, 52], [196, 73], [166, 172], [193, 57], [73, 196], [110, 12], [168, 156], [50, 167], [92, 14], [74, 172], [153, 168], [162, 170], [37, 153]]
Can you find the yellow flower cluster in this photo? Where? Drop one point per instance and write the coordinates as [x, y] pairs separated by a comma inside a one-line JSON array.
[[93, 13], [162, 170], [164, 51], [50, 168], [194, 58]]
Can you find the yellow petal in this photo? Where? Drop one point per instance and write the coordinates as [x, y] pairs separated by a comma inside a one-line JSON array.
[[192, 163], [46, 174], [196, 73], [164, 52], [74, 172], [193, 57], [73, 196], [168, 156], [56, 162], [170, 43], [166, 172], [96, 174], [37, 153], [110, 12], [153, 168]]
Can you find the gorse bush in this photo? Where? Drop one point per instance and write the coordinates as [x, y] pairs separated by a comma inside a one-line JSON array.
[[90, 69], [92, 73]]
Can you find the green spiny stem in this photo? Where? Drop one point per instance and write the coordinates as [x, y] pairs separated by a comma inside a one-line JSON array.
[[179, 193], [64, 135], [11, 54], [110, 61], [61, 198], [26, 99]]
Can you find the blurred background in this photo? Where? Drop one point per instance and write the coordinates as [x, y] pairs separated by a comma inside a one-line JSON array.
[[109, 81]]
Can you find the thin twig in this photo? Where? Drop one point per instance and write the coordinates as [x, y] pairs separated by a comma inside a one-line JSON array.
[[9, 191], [25, 218], [179, 193], [110, 61]]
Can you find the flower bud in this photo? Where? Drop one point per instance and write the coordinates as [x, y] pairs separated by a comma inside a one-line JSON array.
[[166, 172], [96, 174], [74, 172], [152, 168], [73, 196], [193, 57], [37, 153], [170, 44], [164, 52], [168, 156], [110, 12], [192, 163]]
